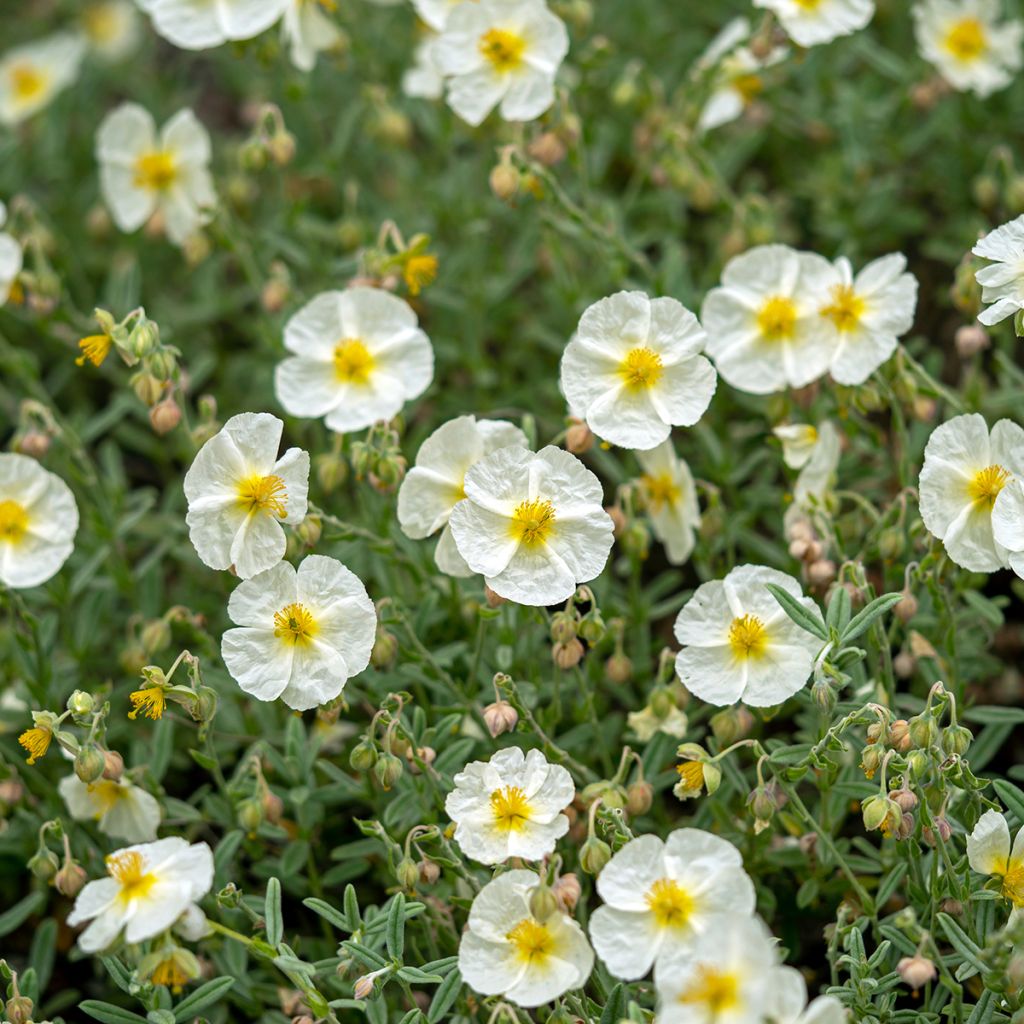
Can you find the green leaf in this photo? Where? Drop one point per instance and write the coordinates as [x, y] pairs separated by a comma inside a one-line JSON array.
[[202, 997], [351, 904], [838, 614], [1012, 797], [867, 615], [444, 998], [395, 935], [21, 911], [418, 977], [617, 1006], [798, 612], [328, 913], [272, 912], [109, 1014], [961, 942]]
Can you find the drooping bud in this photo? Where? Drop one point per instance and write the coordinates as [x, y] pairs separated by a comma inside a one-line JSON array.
[[364, 755], [639, 798], [567, 891], [579, 438], [407, 873], [500, 717], [567, 655], [70, 879], [385, 649], [113, 765], [81, 703], [923, 731], [594, 854], [956, 739], [906, 607], [916, 971], [44, 864], [387, 770], [543, 903], [19, 1009], [89, 763], [618, 669], [165, 416], [250, 815], [429, 871], [906, 798]]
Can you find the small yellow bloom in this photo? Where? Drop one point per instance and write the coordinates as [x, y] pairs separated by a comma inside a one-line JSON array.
[[95, 348], [149, 701], [36, 741], [419, 271], [691, 778]]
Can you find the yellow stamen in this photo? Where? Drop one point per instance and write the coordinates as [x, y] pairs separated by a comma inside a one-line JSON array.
[[713, 989], [36, 741], [106, 794], [353, 362], [533, 521], [13, 522], [149, 701], [294, 624], [169, 973], [510, 808], [129, 869], [503, 49], [263, 494], [95, 348], [641, 369], [845, 309], [156, 171], [809, 5], [748, 637], [1013, 884], [749, 86], [967, 39], [776, 319], [670, 903], [419, 271], [986, 484], [532, 941], [660, 490], [28, 82], [692, 775]]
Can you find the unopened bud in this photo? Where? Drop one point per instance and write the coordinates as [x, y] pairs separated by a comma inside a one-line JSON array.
[[548, 149], [941, 831], [250, 815], [89, 763], [899, 735], [113, 765], [579, 438], [387, 770], [916, 971], [429, 871], [543, 903], [44, 864], [871, 760], [639, 798], [70, 879], [494, 600], [923, 731], [567, 655], [281, 148], [956, 739], [567, 891], [331, 471], [308, 530], [970, 340], [364, 756], [19, 1009], [594, 855], [592, 627], [33, 443], [147, 388], [385, 650], [500, 717], [824, 696], [407, 873], [563, 627], [504, 181], [273, 807], [618, 669], [81, 703], [906, 798], [155, 636], [906, 607], [165, 416], [822, 572]]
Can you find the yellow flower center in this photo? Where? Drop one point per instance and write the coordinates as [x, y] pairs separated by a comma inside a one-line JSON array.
[[1013, 884], [533, 521], [28, 82], [713, 989], [967, 40], [129, 869], [170, 973], [106, 794], [419, 271], [294, 624], [353, 362], [776, 319], [532, 941], [670, 903], [749, 86], [660, 490], [13, 521], [156, 170], [748, 637], [263, 494], [100, 22], [36, 741], [845, 309], [149, 701], [986, 484], [503, 49], [95, 348], [510, 808], [641, 369], [692, 775]]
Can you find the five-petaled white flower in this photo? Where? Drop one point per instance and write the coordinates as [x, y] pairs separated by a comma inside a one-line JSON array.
[[120, 809], [200, 25], [972, 47], [789, 1001], [38, 522], [435, 485], [963, 482], [763, 324], [507, 951], [1002, 282], [661, 895], [423, 79], [307, 31], [301, 634], [533, 524], [435, 12], [359, 356], [31, 75], [817, 466], [670, 498], [740, 644], [989, 852], [510, 806], [239, 493], [811, 22], [148, 889], [111, 28], [501, 52], [634, 369], [142, 171], [10, 259]]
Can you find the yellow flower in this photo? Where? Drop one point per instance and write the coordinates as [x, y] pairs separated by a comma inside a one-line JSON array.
[[95, 348], [36, 741], [149, 701], [419, 271]]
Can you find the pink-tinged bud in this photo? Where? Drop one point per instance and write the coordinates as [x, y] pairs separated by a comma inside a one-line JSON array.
[[567, 655], [618, 669], [549, 149], [500, 717], [639, 798], [70, 879], [906, 798], [899, 735], [970, 340], [493, 600], [579, 438], [567, 891], [916, 971], [429, 872], [941, 832], [33, 443], [822, 572], [363, 987], [906, 607], [165, 416]]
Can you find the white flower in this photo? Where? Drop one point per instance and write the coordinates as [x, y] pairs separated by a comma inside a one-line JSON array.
[[634, 369], [533, 524], [10, 259], [31, 75], [789, 1002], [989, 853], [434, 486], [646, 723], [963, 479], [798, 443], [307, 31], [142, 172], [662, 895], [810, 22], [359, 356], [507, 951], [501, 52], [423, 80], [670, 497], [435, 12], [736, 80], [764, 330], [510, 806], [149, 887], [239, 492], [199, 24], [970, 45], [38, 522], [740, 644], [302, 633], [122, 810], [816, 475], [111, 28], [1008, 524], [1002, 282], [867, 314]]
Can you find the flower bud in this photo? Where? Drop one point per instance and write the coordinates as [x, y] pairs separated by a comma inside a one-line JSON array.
[[113, 765], [730, 725], [823, 696], [281, 148], [144, 338], [916, 971], [504, 180], [33, 443], [429, 871], [70, 879], [155, 636], [639, 798], [493, 600], [543, 903], [89, 763], [923, 731], [940, 832], [956, 739], [147, 388], [407, 873], [567, 655], [44, 864], [906, 798], [618, 669], [879, 812], [19, 1009], [906, 607], [500, 717], [592, 627], [899, 735], [385, 650], [579, 438], [970, 339], [387, 770], [563, 627], [250, 814], [331, 471], [636, 541], [594, 855], [821, 573], [165, 416], [364, 756], [11, 792], [547, 149], [308, 531]]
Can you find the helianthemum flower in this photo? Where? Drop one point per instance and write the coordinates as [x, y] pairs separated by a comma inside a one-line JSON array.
[[148, 889], [634, 369], [31, 75], [740, 644], [120, 809], [199, 25], [10, 259], [501, 52], [359, 356], [435, 485], [239, 493], [989, 852], [111, 28], [507, 951], [868, 314], [788, 992], [662, 895], [670, 498], [308, 31], [1002, 282], [510, 806], [969, 42], [810, 22], [38, 522], [965, 472], [143, 171], [533, 524], [423, 79], [302, 634], [764, 328]]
